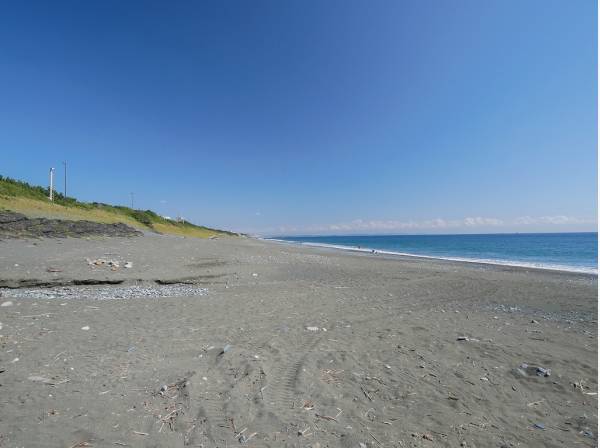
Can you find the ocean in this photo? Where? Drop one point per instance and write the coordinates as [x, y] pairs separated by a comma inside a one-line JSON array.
[[576, 252]]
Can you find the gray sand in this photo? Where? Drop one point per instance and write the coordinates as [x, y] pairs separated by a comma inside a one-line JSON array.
[[405, 351]]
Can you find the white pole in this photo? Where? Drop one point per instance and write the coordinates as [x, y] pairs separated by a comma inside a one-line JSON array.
[[52, 184]]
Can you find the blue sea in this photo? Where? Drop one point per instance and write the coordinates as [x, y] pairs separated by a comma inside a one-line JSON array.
[[576, 252]]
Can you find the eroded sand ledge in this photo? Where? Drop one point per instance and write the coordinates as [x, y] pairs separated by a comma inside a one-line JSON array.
[[389, 370]]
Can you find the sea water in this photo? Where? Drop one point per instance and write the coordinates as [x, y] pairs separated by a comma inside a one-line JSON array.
[[562, 251]]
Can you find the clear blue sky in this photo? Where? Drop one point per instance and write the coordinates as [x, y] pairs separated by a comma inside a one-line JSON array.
[[310, 116]]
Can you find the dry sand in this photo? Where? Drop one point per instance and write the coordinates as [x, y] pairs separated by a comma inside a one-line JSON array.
[[406, 352]]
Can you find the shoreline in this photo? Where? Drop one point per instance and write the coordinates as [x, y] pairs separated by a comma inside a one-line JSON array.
[[484, 262]]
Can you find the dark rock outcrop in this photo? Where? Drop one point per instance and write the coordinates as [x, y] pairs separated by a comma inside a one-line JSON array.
[[16, 225]]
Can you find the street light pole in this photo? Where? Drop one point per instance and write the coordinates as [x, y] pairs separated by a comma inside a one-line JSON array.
[[51, 195], [131, 200]]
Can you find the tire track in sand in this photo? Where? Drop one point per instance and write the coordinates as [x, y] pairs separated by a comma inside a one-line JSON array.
[[282, 389]]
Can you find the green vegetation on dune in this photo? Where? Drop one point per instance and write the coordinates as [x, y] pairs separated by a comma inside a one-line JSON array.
[[21, 196]]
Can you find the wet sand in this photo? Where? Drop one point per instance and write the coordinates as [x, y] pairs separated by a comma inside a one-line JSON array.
[[291, 346]]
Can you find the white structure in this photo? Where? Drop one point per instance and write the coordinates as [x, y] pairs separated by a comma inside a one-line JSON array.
[[51, 195]]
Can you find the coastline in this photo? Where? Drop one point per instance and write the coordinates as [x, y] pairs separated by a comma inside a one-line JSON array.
[[302, 346], [489, 262]]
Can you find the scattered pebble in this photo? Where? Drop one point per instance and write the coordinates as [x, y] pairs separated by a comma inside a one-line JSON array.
[[104, 292]]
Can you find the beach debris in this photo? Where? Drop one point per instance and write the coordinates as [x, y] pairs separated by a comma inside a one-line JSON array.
[[302, 432], [53, 270], [311, 328], [7, 303], [86, 328], [224, 350], [525, 370], [587, 433], [539, 426], [14, 360], [40, 379], [245, 439], [462, 338], [128, 265], [44, 380], [254, 274], [541, 371]]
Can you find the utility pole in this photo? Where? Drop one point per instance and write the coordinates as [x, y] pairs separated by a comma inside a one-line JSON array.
[[131, 200], [65, 164], [51, 195]]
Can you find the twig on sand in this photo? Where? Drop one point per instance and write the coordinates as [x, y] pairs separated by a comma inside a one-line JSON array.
[[327, 417], [366, 394], [261, 392], [139, 433], [375, 438]]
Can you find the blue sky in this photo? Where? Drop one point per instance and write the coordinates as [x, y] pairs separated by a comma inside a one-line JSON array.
[[311, 116]]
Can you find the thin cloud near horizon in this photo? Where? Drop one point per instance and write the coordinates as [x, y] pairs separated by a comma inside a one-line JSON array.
[[467, 223]]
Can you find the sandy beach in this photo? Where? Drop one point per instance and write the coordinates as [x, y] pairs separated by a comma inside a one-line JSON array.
[[275, 345]]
